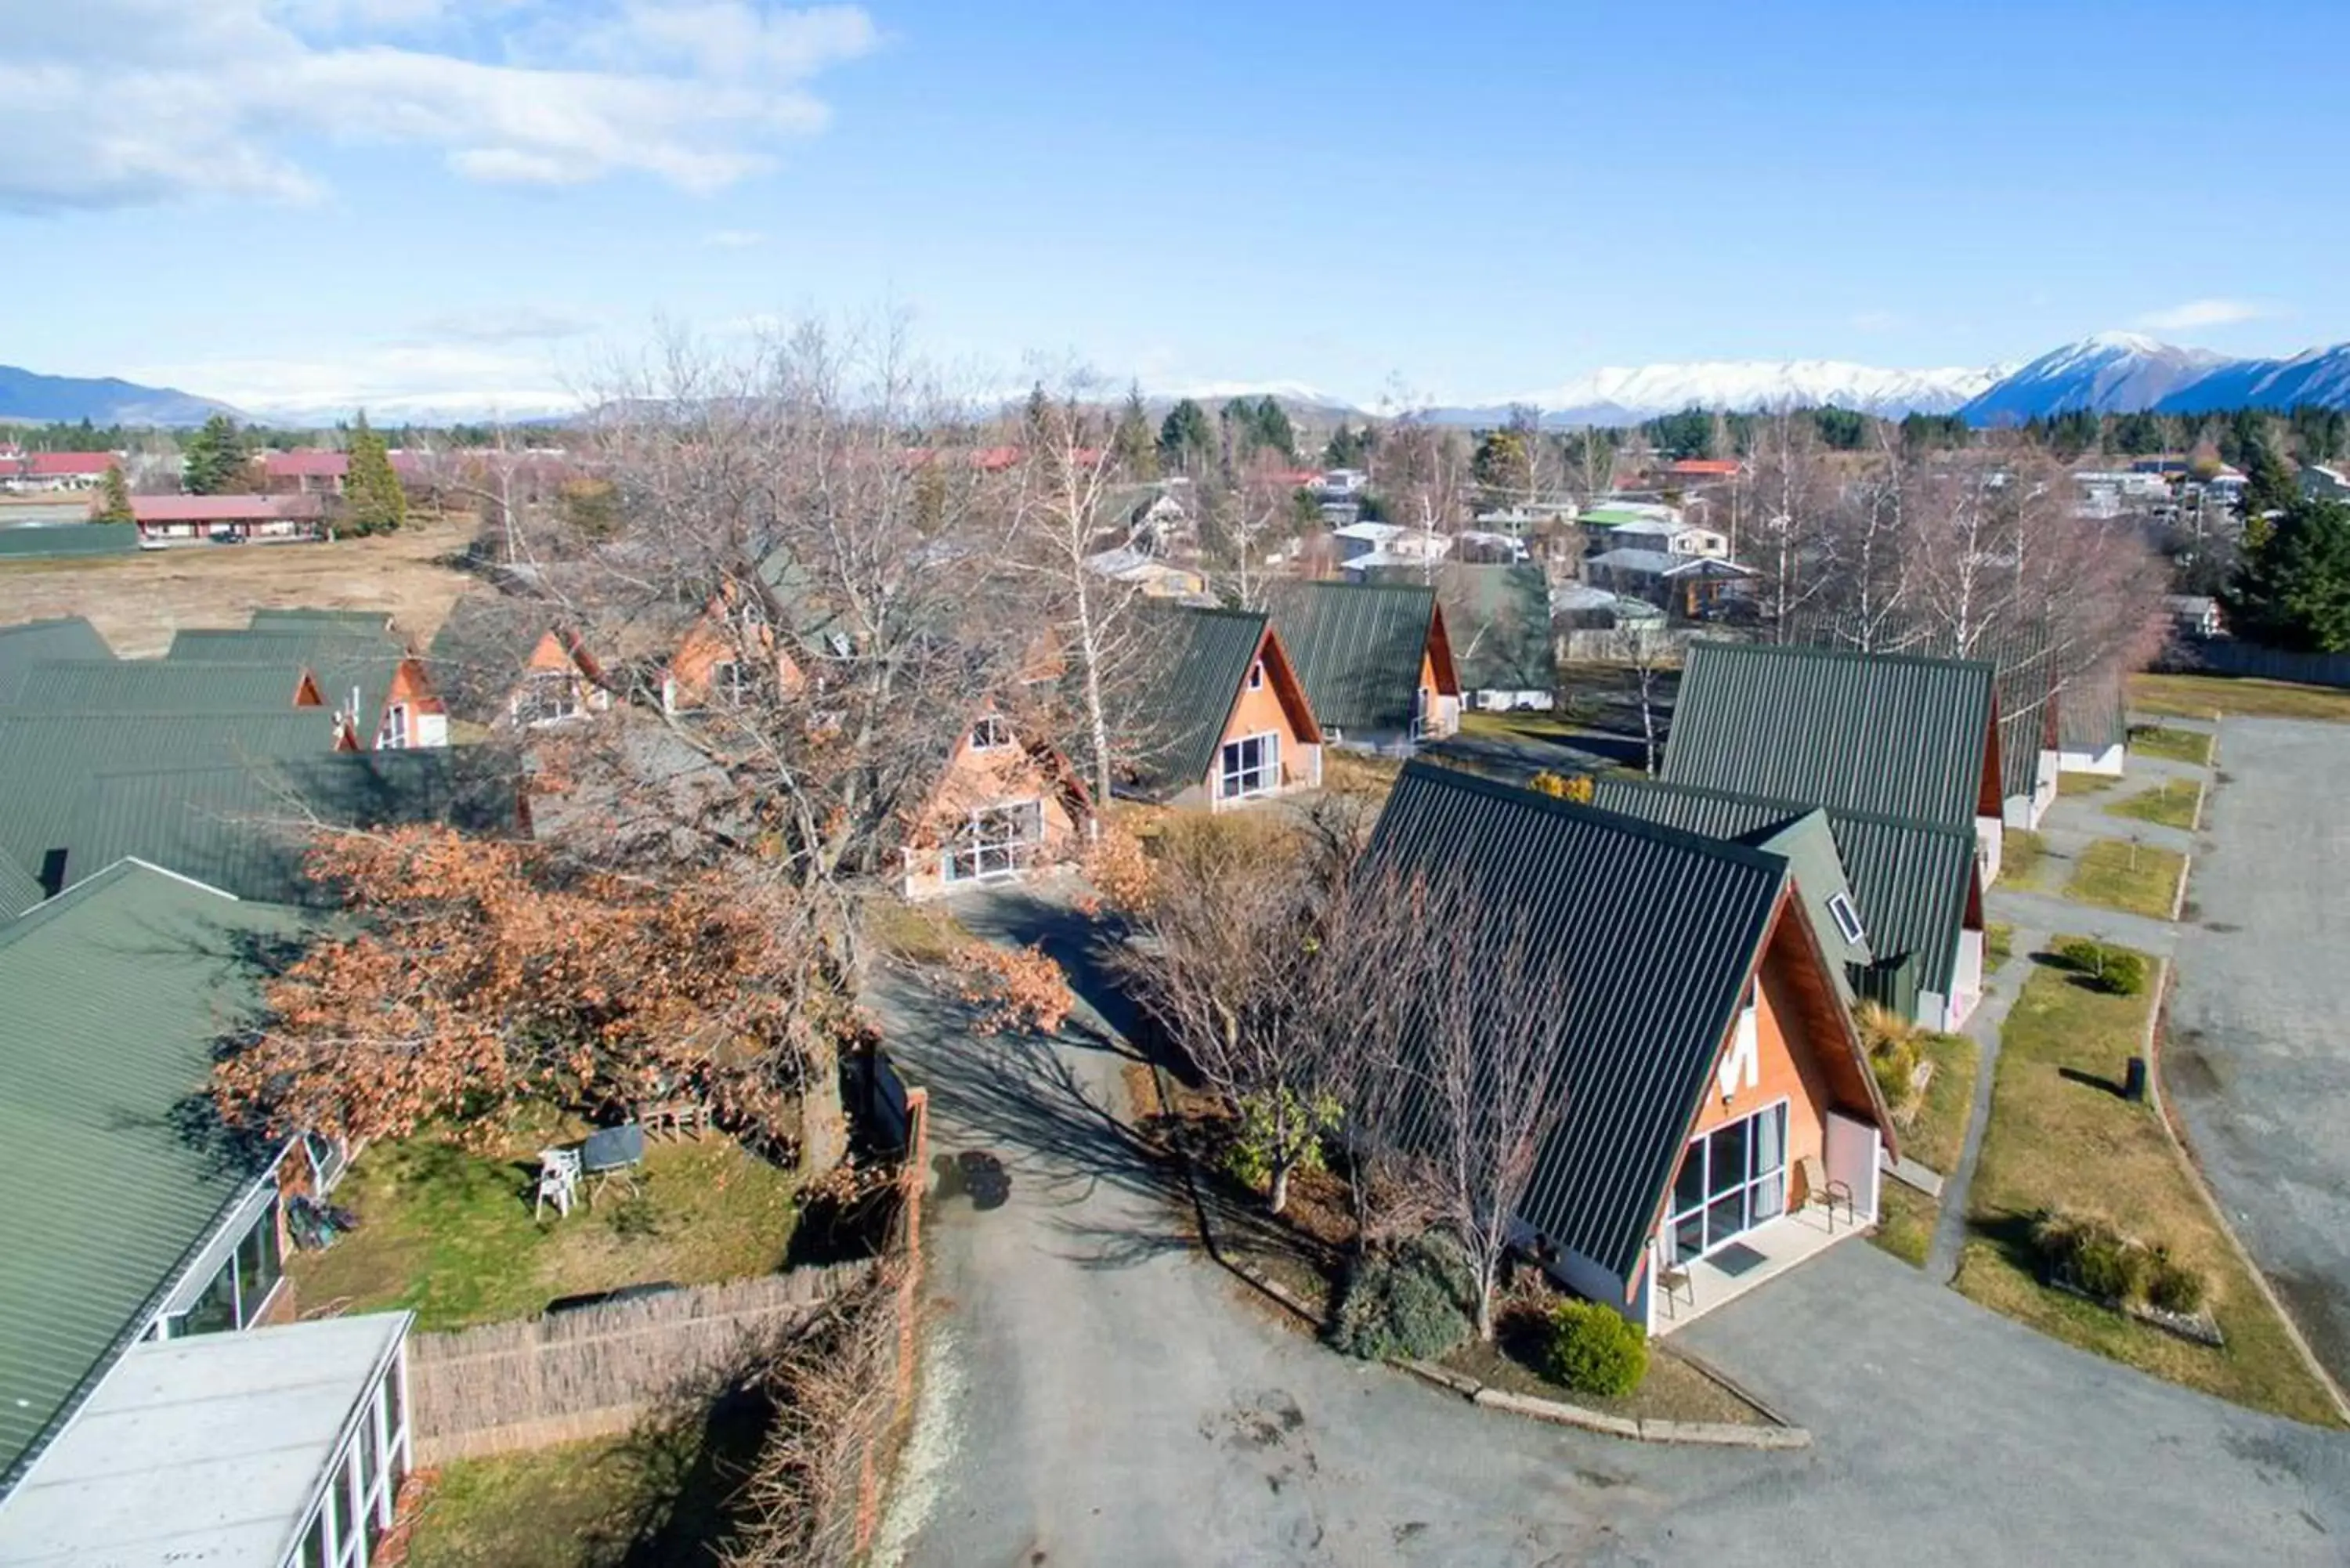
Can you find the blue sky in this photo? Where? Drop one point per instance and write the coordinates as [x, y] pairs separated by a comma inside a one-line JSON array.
[[469, 203]]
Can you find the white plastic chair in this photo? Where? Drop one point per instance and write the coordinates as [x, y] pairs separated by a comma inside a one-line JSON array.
[[558, 1180]]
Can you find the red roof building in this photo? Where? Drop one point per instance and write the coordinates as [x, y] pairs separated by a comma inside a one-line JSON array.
[[1704, 468], [54, 470], [315, 471], [185, 519]]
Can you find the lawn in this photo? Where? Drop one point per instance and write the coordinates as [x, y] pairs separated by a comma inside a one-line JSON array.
[[137, 601], [450, 1233], [2135, 878], [2172, 745], [2060, 1136], [2173, 803], [1934, 1135], [1905, 1222], [1358, 773], [1999, 946], [1672, 1391], [1522, 724], [657, 1495], [2211, 696], [925, 933], [2084, 783], [2022, 858]]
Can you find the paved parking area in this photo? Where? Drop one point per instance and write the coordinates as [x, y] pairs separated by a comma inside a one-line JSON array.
[[1094, 1391], [2257, 1061]]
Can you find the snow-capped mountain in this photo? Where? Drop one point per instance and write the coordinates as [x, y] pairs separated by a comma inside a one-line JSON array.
[[1620, 396], [2111, 373], [2315, 375]]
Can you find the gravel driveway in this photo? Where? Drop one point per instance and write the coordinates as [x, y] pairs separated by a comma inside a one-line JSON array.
[[2258, 1057]]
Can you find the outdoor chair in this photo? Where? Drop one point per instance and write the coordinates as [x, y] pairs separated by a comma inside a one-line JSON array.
[[1675, 1280], [1821, 1190], [558, 1180]]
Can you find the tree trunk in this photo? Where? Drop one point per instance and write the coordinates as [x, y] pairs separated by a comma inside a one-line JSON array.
[[1486, 1310], [823, 1120], [1278, 1200]]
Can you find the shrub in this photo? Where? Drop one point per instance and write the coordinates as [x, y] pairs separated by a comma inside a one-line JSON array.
[[1413, 1302], [2173, 1286], [1892, 1044], [1595, 1350], [1278, 1128], [2116, 971], [2091, 1255], [2083, 955]]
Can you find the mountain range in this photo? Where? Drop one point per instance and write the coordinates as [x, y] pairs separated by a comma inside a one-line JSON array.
[[27, 397], [2113, 372]]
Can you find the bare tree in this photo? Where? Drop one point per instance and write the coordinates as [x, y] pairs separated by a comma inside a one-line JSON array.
[[1784, 495]]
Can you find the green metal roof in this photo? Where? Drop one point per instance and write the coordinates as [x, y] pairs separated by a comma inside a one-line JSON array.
[[341, 660], [1498, 621], [68, 539], [1910, 880], [243, 829], [35, 642], [111, 999], [477, 657], [1652, 932], [1357, 648], [368, 623], [156, 686], [1890, 733], [1191, 667], [47, 759], [19, 889]]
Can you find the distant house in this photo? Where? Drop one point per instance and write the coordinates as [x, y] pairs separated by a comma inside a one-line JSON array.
[[1368, 547], [1213, 713], [138, 1297], [1006, 806], [1689, 586], [1694, 471], [1892, 734], [55, 470], [2195, 616], [1715, 1091], [2325, 482], [731, 651], [1912, 925], [1374, 659], [310, 471], [1153, 577], [1623, 528], [507, 663], [164, 520]]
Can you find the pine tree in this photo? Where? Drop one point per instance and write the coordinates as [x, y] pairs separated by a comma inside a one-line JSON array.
[[2292, 590], [1132, 442], [1273, 429], [1187, 440], [214, 458], [2268, 485], [114, 497], [373, 501]]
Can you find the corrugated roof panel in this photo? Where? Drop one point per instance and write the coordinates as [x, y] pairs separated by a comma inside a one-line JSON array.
[[36, 642], [156, 686], [1652, 932], [113, 997], [1894, 734], [1190, 663], [1357, 648]]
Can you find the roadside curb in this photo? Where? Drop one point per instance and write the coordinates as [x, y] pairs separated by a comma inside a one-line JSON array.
[[2177, 1134], [1712, 1434]]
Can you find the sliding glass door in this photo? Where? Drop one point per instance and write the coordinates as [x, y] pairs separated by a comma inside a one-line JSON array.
[[1731, 1180]]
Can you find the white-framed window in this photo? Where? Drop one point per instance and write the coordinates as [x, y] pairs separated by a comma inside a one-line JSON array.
[[1731, 1181], [1249, 766], [547, 697], [1256, 676], [730, 684], [393, 736], [1847, 918], [995, 841], [239, 1289], [991, 733]]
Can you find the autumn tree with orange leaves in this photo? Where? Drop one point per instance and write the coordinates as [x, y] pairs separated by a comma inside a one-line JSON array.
[[483, 974]]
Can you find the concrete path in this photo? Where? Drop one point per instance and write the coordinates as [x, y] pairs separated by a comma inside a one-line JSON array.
[[1984, 1028], [1094, 1393], [2258, 1062]]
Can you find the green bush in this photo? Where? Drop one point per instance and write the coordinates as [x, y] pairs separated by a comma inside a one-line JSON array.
[[1413, 1302], [2092, 1255], [1895, 1062], [2173, 1286], [2113, 969], [1595, 1350], [2083, 955]]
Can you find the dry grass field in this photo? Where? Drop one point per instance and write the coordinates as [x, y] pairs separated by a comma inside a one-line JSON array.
[[138, 601]]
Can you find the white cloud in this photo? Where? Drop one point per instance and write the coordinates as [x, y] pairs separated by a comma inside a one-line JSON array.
[[391, 381], [507, 324], [2198, 313], [218, 97], [733, 239]]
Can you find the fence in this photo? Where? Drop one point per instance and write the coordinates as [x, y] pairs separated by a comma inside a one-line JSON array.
[[584, 1374], [1585, 646], [2260, 663]]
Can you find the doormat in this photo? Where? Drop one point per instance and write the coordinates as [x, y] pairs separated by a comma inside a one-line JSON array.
[[1736, 1259]]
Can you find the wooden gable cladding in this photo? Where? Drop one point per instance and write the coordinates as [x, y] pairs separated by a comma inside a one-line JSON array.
[[725, 633]]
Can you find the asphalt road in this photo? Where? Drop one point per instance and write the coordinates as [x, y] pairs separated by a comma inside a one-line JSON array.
[[1095, 1392], [2257, 1061]]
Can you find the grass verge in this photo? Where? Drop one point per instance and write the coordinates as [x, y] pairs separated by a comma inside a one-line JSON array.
[[1934, 1137], [2084, 783], [1672, 1391], [917, 933], [1906, 1219], [2173, 803], [2172, 745], [2134, 877], [1998, 945], [2022, 858], [2060, 1136], [450, 1233], [2211, 696]]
